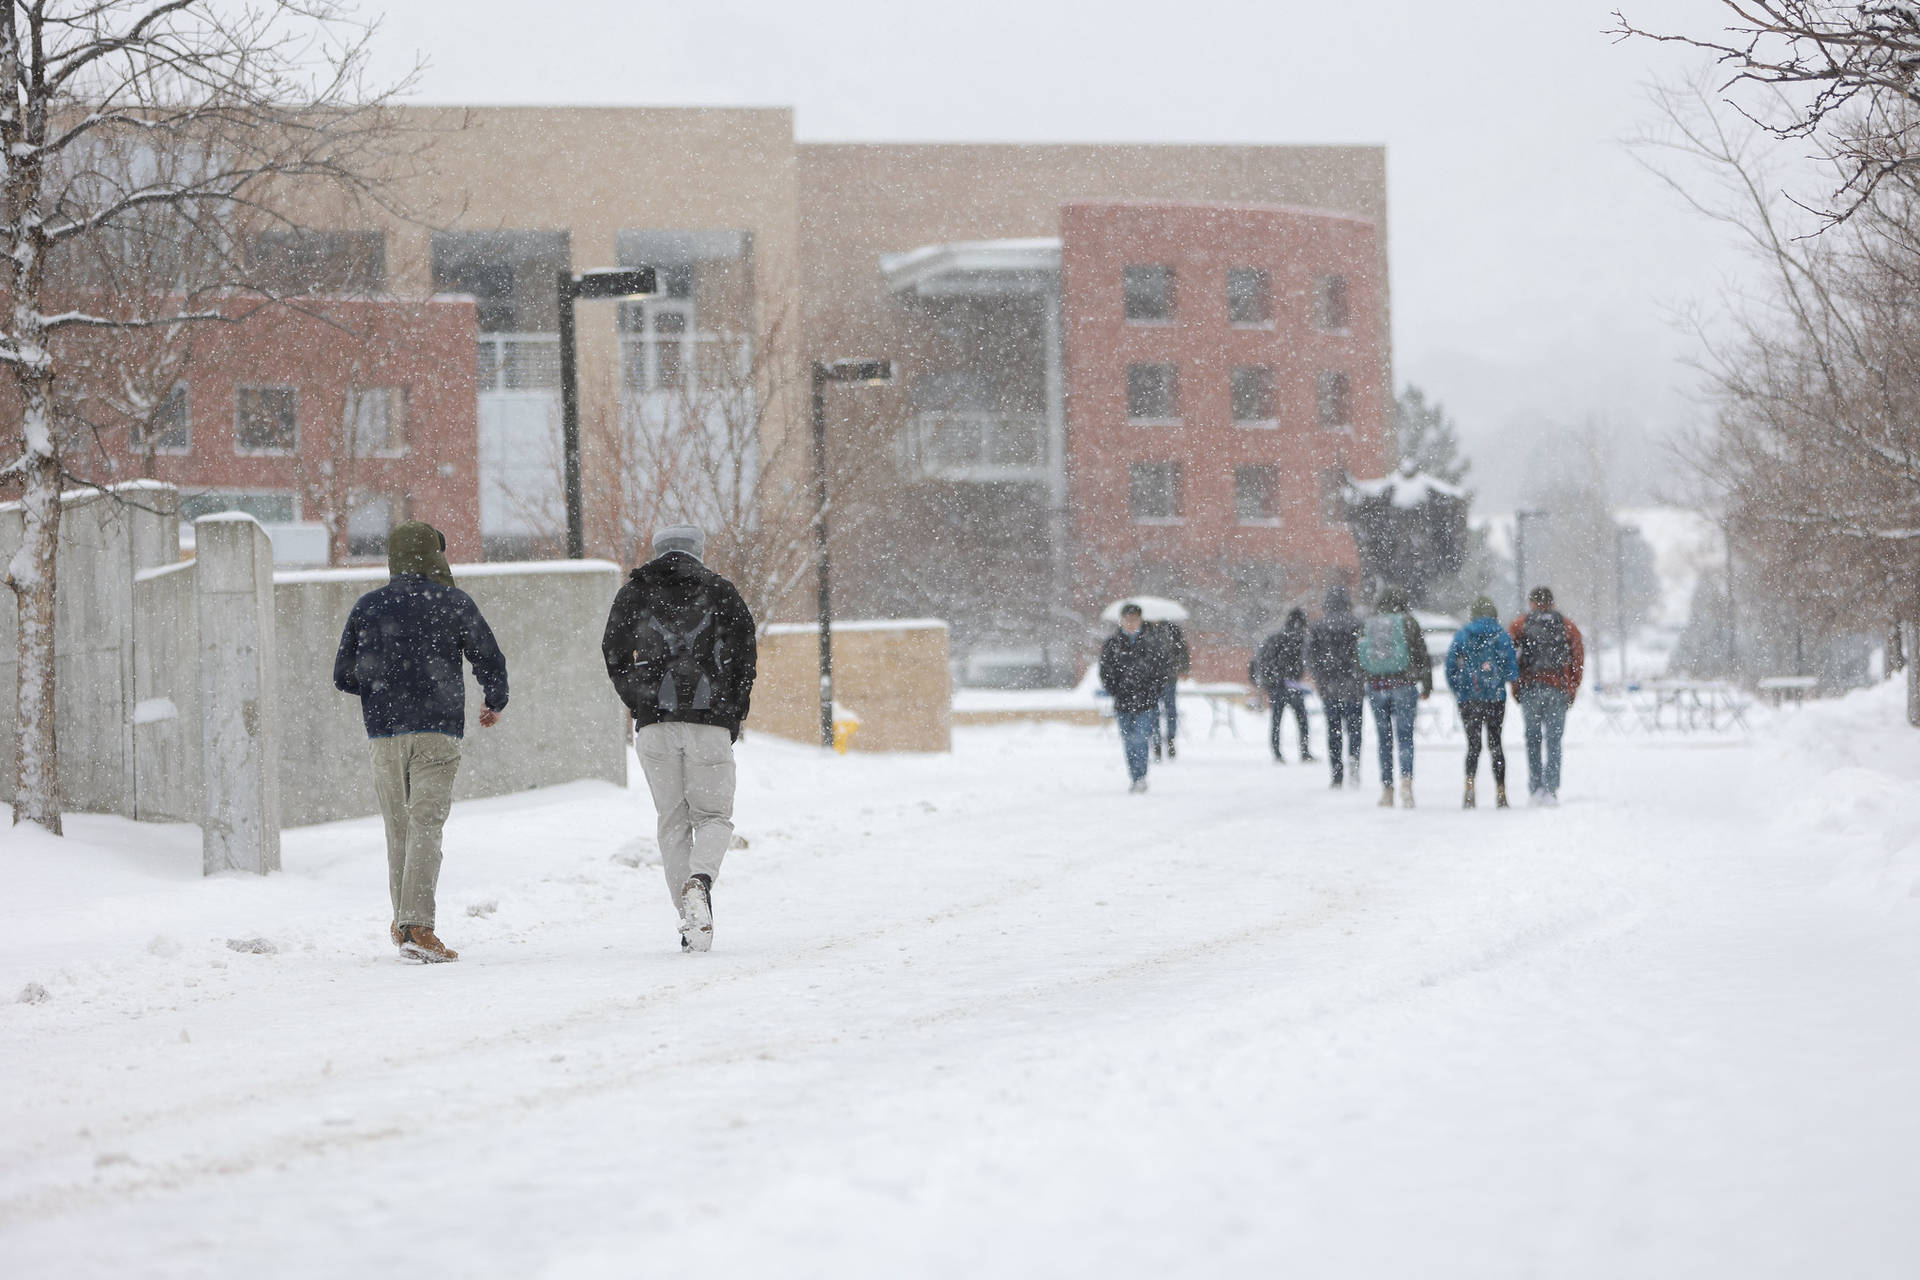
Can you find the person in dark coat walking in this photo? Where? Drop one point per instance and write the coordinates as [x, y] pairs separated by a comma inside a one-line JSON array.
[[1553, 661], [681, 652], [1279, 668], [1179, 660], [1333, 659], [400, 654], [1134, 669]]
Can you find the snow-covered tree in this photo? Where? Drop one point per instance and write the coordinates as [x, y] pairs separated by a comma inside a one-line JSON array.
[[143, 142]]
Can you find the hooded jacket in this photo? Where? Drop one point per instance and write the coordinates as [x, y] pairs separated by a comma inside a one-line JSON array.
[[1333, 652], [1481, 662], [1135, 669], [1566, 679], [672, 584], [1282, 656], [401, 649]]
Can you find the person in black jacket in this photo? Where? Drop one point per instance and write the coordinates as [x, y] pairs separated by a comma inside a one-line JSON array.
[[1333, 658], [1179, 661], [400, 654], [681, 652], [1135, 669], [1279, 668]]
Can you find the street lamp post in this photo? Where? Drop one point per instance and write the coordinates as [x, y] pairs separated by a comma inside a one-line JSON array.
[[1620, 535], [1520, 519], [631, 284], [873, 373]]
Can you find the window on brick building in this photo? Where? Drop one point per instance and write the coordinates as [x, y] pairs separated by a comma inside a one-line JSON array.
[[1154, 488], [1330, 303], [1252, 387], [170, 430], [377, 420], [370, 518], [1148, 292], [304, 260], [265, 420], [1249, 296], [1333, 495], [1254, 493], [1335, 395], [1153, 392]]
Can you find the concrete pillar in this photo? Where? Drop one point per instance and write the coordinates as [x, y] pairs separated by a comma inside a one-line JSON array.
[[239, 679]]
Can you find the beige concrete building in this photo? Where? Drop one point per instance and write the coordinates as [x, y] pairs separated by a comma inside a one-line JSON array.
[[771, 253]]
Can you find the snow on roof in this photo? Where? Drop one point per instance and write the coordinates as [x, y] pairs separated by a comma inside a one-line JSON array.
[[963, 265], [1411, 491]]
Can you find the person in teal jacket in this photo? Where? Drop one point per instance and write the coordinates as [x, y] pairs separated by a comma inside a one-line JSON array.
[[1481, 663]]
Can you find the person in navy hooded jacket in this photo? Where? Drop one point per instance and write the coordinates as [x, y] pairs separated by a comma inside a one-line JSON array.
[[1481, 663]]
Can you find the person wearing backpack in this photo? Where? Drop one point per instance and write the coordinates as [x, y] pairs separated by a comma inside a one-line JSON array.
[[1333, 658], [400, 654], [1481, 663], [1279, 666], [1553, 659], [681, 652], [1393, 653]]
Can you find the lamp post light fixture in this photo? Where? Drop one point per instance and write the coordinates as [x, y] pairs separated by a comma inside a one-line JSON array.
[[629, 284], [872, 373], [1520, 519]]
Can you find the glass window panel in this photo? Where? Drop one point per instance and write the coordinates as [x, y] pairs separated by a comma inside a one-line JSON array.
[[1153, 391], [1252, 387], [1148, 292], [265, 420], [1249, 296]]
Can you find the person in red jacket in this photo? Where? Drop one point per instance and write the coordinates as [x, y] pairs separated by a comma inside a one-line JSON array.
[[1552, 661]]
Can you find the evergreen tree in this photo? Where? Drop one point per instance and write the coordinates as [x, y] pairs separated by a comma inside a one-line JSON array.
[[1428, 439]]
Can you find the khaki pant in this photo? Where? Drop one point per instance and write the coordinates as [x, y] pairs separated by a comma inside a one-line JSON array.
[[413, 776], [689, 770]]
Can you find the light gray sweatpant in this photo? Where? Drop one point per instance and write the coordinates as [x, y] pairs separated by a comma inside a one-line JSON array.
[[413, 776], [689, 769]]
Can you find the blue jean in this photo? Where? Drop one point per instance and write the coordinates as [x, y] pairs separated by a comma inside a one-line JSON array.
[[1544, 711], [1136, 735], [1170, 704], [1348, 716], [1394, 711]]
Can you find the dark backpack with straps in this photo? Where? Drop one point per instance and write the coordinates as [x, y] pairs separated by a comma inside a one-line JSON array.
[[1544, 644], [679, 648]]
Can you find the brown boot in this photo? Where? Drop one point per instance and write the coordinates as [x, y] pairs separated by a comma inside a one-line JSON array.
[[1468, 804], [1386, 797], [419, 942], [1406, 793], [393, 930], [1499, 795]]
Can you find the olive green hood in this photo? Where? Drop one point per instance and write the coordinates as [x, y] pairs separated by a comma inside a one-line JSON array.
[[419, 548], [1393, 599]]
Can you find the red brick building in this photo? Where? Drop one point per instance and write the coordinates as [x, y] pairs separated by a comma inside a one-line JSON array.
[[1225, 370], [349, 414]]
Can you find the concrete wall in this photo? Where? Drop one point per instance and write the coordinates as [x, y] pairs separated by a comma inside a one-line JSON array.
[[106, 540], [563, 721], [240, 725], [892, 675], [166, 691]]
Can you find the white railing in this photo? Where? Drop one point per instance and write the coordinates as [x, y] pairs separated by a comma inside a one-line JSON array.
[[977, 446], [683, 361], [519, 362]]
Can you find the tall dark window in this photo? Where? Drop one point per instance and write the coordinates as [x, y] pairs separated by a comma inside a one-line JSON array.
[[1249, 296], [171, 429], [1336, 399], [1253, 490], [1154, 488], [265, 420], [512, 275], [1330, 302], [1153, 392], [1149, 292], [1252, 387]]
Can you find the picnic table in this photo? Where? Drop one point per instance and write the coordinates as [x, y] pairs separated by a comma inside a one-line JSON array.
[[1672, 706], [1794, 689]]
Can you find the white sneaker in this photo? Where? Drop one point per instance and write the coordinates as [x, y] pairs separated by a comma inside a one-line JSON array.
[[1551, 799], [1138, 787], [696, 914]]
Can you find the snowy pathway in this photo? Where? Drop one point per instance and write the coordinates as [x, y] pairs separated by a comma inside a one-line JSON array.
[[987, 1015]]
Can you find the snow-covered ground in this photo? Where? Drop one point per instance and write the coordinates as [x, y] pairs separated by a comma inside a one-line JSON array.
[[987, 1015]]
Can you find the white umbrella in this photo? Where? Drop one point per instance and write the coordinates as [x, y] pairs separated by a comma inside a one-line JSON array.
[[1152, 608]]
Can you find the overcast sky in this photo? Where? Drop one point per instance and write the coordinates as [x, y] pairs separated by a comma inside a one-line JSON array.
[[1535, 267]]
